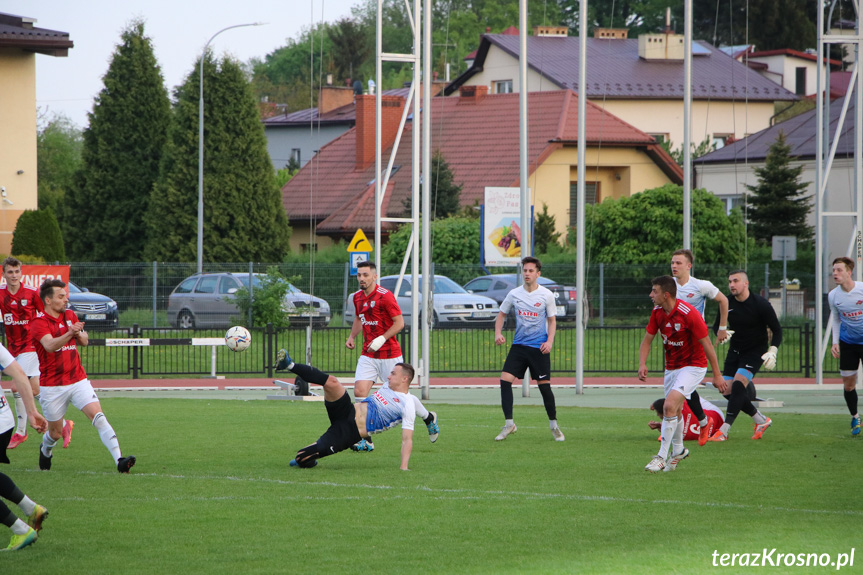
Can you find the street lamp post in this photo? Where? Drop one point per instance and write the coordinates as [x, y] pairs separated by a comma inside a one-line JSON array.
[[201, 147]]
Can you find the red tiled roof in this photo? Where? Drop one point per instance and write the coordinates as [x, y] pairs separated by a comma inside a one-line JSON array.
[[478, 139], [793, 54]]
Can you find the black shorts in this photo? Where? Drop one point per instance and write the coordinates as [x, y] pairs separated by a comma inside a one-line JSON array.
[[748, 360], [850, 355], [522, 357], [343, 431], [4, 441]]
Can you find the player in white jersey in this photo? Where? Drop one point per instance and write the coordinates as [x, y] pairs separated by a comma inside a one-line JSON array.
[[23, 533], [349, 422], [535, 326], [846, 309], [696, 292]]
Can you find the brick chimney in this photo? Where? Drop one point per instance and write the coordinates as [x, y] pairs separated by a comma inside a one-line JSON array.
[[333, 97], [472, 93], [391, 114]]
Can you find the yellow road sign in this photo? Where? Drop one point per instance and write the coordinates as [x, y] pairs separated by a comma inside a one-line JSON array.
[[359, 243]]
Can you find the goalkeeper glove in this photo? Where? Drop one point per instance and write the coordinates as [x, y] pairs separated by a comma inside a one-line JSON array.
[[730, 332], [769, 358], [377, 343]]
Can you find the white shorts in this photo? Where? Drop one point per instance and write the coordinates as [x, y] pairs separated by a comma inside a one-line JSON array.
[[370, 369], [684, 380], [29, 362], [56, 399], [7, 420]]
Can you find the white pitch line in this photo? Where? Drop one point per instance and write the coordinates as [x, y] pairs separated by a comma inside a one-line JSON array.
[[479, 494]]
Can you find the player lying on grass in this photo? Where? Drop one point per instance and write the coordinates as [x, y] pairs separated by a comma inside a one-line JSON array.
[[691, 426], [23, 534], [349, 422]]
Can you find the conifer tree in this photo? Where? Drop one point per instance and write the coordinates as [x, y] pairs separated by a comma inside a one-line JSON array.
[[244, 219], [778, 206], [103, 210], [37, 233]]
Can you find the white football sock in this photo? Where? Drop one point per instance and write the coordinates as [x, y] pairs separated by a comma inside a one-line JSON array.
[[19, 527], [669, 425], [552, 423], [725, 429], [759, 418], [107, 435], [704, 422], [27, 505], [509, 423], [21, 415], [677, 439], [48, 444]]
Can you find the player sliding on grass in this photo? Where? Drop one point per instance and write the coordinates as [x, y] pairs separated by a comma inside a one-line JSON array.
[[56, 335], [687, 351], [349, 423], [23, 534]]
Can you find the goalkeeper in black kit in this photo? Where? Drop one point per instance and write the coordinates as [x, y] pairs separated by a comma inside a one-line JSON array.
[[749, 318]]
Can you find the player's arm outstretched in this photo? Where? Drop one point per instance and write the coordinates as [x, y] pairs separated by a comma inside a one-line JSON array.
[[407, 447]]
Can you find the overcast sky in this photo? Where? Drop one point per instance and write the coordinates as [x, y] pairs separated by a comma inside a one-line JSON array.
[[179, 30]]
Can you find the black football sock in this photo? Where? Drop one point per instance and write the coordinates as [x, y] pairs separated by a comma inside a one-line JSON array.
[[735, 401], [310, 374], [8, 489], [694, 403], [548, 400], [506, 398], [851, 401], [429, 419]]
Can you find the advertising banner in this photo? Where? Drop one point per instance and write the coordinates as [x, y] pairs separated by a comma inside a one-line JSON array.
[[501, 229]]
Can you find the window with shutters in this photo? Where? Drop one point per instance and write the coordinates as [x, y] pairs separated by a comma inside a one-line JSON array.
[[591, 191]]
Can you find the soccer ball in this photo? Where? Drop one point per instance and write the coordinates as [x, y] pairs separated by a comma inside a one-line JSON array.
[[238, 338]]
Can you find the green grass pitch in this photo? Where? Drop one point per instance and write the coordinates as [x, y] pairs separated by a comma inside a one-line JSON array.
[[213, 493]]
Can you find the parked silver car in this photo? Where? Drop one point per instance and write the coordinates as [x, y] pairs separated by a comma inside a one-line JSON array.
[[206, 300], [453, 306]]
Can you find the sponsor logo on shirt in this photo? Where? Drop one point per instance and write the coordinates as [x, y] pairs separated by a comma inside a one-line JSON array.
[[857, 313], [666, 341], [527, 313], [364, 321], [68, 348]]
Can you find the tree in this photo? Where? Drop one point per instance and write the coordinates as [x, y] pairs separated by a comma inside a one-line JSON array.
[[778, 206], [645, 227], [454, 240], [37, 233], [120, 157], [58, 158], [446, 194], [352, 47], [244, 219], [544, 235]]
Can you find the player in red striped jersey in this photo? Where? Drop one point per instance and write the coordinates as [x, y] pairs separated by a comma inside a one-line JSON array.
[[56, 335], [379, 317], [19, 304], [687, 352]]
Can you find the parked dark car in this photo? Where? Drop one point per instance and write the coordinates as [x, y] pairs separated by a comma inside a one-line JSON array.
[[206, 300], [496, 286], [94, 309]]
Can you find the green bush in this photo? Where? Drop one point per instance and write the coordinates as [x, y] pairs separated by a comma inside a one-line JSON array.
[[266, 305], [37, 234]]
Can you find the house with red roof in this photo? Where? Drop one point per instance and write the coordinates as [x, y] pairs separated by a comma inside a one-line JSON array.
[[20, 42], [639, 80], [478, 135]]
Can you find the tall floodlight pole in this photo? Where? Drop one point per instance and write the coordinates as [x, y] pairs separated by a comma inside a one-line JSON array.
[[427, 187], [687, 124], [526, 243], [582, 174], [201, 145]]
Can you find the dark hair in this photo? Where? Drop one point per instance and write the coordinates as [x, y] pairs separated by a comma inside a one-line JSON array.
[[46, 290], [686, 253], [367, 264], [532, 260], [16, 263], [735, 272], [849, 263], [658, 405], [408, 369], [666, 284]]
